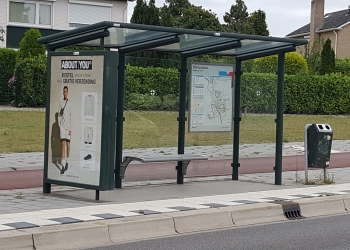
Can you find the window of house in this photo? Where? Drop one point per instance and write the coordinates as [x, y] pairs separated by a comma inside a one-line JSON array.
[[32, 13], [84, 14]]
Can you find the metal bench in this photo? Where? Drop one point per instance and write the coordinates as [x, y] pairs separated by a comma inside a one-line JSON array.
[[182, 159]]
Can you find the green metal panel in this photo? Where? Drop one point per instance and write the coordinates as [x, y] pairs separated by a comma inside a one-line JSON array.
[[236, 119], [46, 185], [182, 117], [279, 120], [120, 120]]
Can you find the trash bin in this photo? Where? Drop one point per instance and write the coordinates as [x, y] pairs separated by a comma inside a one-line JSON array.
[[319, 144]]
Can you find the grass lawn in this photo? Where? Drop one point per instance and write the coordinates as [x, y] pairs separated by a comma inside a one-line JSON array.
[[23, 131]]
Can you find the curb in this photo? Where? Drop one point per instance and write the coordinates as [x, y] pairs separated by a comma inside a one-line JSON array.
[[99, 233]]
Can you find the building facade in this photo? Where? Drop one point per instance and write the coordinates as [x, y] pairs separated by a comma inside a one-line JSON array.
[[335, 26], [52, 16]]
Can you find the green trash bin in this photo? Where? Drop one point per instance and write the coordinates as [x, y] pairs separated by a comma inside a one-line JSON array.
[[319, 144]]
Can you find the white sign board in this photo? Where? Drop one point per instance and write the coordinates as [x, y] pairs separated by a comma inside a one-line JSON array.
[[75, 119], [211, 88]]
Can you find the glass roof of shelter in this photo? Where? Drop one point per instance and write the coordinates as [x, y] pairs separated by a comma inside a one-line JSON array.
[[128, 37]]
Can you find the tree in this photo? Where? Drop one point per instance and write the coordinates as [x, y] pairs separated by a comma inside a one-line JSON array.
[[139, 14], [166, 18], [237, 17], [313, 55], [195, 17], [29, 47], [256, 23], [153, 13], [176, 7], [327, 58]]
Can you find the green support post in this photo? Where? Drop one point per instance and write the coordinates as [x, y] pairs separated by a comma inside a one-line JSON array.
[[102, 43], [102, 47], [46, 186], [182, 117], [236, 119], [120, 121], [279, 119]]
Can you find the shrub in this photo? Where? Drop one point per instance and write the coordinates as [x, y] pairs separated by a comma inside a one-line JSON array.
[[31, 77], [342, 66], [294, 64], [7, 66], [143, 102], [29, 47], [170, 102]]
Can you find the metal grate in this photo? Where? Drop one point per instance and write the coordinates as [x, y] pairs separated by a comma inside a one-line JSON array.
[[291, 210]]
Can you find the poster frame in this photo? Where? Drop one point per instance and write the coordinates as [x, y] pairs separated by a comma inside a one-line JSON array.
[[190, 129], [109, 100]]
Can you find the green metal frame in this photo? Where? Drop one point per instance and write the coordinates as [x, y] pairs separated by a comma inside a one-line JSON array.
[[188, 43], [108, 122]]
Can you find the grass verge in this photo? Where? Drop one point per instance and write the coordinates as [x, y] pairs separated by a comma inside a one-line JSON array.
[[23, 131]]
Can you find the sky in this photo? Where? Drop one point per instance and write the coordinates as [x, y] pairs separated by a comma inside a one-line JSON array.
[[282, 16]]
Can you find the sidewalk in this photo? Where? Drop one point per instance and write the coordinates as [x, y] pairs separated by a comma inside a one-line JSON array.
[[29, 211], [30, 208], [36, 160]]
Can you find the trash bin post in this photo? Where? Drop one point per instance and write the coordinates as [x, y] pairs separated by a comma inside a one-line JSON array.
[[306, 153]]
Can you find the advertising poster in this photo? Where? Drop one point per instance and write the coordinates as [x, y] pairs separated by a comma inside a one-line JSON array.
[[76, 87], [211, 88]]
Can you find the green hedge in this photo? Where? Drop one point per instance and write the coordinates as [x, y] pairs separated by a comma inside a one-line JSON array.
[[7, 67], [342, 66], [143, 80], [31, 79], [304, 94]]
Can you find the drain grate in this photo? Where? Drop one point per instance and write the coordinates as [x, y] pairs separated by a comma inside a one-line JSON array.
[[291, 210]]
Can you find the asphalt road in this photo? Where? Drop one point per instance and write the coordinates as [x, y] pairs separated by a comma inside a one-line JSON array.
[[160, 171], [331, 233]]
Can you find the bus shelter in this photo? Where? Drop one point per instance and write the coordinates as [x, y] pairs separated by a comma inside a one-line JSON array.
[[123, 38]]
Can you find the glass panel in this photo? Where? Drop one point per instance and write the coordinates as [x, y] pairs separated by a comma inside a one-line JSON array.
[[122, 37], [45, 14], [22, 12], [258, 46]]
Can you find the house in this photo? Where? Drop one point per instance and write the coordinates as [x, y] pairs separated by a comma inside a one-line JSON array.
[[335, 26], [52, 16]]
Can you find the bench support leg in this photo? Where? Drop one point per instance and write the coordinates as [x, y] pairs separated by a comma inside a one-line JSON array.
[[180, 176], [118, 183], [181, 171]]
